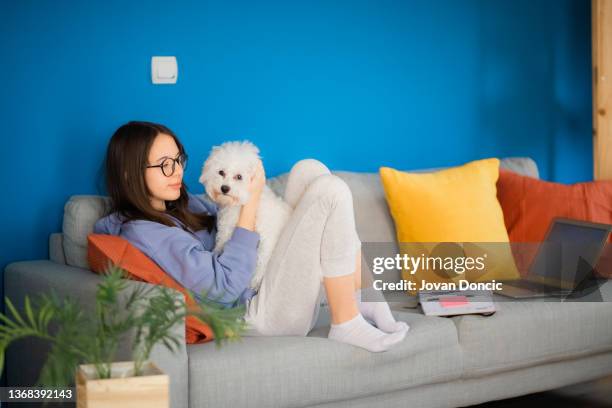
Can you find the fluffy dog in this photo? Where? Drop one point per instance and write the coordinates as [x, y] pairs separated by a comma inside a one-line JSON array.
[[226, 175]]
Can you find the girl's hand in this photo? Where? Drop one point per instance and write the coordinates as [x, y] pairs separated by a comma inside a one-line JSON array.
[[249, 210], [258, 181]]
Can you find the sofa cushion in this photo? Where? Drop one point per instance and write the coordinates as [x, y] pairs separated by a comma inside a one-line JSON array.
[[455, 205], [56, 248], [451, 205], [530, 332], [530, 205], [80, 214], [104, 250], [284, 371]]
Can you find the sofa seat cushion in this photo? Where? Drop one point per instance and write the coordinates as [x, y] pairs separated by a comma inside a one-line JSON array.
[[302, 371], [530, 332]]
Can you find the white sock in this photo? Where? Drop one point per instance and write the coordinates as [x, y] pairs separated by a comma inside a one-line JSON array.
[[360, 333], [377, 310]]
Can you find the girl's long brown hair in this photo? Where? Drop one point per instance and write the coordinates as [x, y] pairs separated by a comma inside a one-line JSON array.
[[126, 160]]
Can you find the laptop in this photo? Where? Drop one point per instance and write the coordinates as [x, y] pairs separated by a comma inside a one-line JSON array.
[[565, 258]]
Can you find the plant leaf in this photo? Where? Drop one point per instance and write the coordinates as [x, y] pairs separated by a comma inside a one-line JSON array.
[[30, 314], [14, 312]]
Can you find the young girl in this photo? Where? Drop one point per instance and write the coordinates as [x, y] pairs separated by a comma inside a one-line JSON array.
[[152, 209]]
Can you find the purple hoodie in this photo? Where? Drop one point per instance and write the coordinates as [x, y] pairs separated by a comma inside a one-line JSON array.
[[189, 257]]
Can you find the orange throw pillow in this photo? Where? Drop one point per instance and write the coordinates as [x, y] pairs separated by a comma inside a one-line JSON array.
[[104, 249], [529, 205]]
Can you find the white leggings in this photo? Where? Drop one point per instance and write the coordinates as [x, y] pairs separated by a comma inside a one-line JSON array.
[[319, 240]]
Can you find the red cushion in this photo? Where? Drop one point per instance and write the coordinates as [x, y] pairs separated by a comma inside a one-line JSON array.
[[529, 205], [104, 249]]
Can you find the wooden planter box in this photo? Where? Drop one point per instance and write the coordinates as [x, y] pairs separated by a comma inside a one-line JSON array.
[[122, 389]]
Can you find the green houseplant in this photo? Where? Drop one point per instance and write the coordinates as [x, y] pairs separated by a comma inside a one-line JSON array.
[[147, 314]]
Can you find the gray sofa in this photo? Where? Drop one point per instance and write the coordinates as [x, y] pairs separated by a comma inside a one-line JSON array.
[[526, 347]]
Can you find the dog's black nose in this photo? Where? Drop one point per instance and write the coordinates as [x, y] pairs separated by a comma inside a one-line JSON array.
[[225, 189]]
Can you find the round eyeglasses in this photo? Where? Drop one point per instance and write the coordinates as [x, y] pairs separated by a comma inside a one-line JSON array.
[[169, 164]]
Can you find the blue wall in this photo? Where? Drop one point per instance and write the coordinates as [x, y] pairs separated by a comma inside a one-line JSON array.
[[355, 84]]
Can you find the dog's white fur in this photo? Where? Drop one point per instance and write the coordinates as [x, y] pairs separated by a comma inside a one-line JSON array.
[[232, 164]]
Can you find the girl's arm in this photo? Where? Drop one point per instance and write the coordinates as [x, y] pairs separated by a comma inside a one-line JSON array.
[[223, 275]]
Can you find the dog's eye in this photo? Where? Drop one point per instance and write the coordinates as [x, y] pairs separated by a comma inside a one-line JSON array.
[[238, 177], [221, 173]]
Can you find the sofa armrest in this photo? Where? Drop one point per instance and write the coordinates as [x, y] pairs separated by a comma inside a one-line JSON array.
[[25, 357]]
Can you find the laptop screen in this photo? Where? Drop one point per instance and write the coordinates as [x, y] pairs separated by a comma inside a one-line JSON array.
[[569, 253]]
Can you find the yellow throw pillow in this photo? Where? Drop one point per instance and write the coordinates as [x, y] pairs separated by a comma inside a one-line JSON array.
[[456, 205]]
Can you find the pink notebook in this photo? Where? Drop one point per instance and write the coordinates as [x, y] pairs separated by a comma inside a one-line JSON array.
[[453, 301]]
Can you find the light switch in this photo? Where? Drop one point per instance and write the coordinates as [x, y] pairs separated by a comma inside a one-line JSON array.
[[164, 70]]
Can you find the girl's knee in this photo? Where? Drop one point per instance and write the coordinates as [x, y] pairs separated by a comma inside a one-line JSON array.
[[332, 188], [302, 174], [310, 166]]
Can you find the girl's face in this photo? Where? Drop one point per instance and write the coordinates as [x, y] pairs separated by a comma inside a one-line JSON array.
[[163, 188]]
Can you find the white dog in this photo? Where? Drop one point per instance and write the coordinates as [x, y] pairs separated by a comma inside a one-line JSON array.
[[226, 175]]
